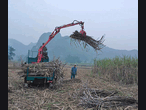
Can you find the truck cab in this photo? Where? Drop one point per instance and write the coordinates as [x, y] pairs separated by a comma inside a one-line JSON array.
[[32, 57]]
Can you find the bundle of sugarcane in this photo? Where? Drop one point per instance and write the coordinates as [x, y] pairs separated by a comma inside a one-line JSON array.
[[102, 98], [96, 44], [44, 69]]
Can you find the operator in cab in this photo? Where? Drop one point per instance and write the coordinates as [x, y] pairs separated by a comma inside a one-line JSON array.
[[45, 55], [73, 71], [44, 49]]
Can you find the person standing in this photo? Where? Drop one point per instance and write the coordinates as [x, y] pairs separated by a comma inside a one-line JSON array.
[[73, 71]]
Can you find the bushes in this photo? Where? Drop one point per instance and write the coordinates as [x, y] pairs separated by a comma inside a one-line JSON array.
[[121, 69]]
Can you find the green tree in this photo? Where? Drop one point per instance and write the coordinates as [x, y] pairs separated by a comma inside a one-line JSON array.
[[11, 53]]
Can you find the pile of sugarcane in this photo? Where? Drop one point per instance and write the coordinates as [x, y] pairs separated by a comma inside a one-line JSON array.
[[44, 69], [96, 44], [103, 99]]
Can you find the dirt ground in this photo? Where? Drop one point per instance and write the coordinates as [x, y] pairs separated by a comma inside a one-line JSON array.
[[59, 98]]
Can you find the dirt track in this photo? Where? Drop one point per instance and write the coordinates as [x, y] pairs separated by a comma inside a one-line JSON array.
[[59, 98]]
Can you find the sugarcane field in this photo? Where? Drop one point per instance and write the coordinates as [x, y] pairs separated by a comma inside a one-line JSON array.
[[72, 55], [88, 90]]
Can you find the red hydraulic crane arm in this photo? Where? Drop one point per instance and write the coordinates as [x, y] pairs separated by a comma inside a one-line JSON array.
[[57, 30]]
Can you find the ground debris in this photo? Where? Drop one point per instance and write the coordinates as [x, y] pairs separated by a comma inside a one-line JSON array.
[[72, 81], [90, 98]]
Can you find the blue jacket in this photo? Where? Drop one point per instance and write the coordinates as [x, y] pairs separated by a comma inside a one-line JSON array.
[[74, 70]]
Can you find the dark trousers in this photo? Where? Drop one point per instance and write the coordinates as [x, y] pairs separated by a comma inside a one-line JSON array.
[[72, 76]]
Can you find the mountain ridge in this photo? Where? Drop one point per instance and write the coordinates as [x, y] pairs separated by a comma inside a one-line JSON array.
[[60, 47]]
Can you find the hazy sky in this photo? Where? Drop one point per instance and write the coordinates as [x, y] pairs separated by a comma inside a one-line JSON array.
[[117, 19]]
